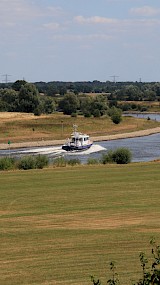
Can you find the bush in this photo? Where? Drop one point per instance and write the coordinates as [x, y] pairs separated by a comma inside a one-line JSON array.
[[87, 114], [33, 162], [60, 162], [97, 113], [116, 118], [37, 111], [115, 114], [73, 161], [27, 162], [92, 161], [6, 163], [41, 161], [122, 156], [74, 115], [107, 157], [125, 107], [119, 156]]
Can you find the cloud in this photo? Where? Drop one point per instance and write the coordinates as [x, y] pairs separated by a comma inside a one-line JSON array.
[[52, 26], [145, 11], [94, 20], [16, 14], [13, 12], [82, 38], [112, 28], [54, 10]]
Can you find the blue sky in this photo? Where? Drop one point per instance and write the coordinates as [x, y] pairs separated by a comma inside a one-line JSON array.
[[80, 40]]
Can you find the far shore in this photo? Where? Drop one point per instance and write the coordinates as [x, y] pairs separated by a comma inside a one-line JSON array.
[[94, 139]]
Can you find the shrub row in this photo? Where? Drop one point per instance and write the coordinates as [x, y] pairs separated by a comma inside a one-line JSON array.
[[33, 162], [119, 156], [28, 162], [61, 161]]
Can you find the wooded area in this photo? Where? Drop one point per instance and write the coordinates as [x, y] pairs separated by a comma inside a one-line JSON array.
[[88, 98]]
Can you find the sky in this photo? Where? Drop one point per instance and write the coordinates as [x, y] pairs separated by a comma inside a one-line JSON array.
[[80, 40]]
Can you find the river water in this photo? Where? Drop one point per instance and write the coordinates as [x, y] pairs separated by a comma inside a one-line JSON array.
[[145, 148], [152, 116]]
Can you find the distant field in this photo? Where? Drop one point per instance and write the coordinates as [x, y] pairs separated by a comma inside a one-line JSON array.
[[152, 106], [20, 127], [61, 225]]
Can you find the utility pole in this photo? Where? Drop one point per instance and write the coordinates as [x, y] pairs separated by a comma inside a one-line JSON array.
[[114, 78], [6, 78], [62, 128]]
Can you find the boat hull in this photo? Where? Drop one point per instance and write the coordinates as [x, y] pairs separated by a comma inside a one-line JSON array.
[[76, 148]]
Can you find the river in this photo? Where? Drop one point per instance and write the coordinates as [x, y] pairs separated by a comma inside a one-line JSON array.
[[145, 148], [151, 116]]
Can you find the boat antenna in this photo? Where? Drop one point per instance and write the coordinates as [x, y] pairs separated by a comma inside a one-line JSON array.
[[75, 128]]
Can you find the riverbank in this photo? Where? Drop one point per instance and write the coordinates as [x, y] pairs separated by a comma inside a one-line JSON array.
[[95, 139]]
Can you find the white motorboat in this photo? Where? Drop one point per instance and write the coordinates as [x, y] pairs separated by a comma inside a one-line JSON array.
[[77, 142]]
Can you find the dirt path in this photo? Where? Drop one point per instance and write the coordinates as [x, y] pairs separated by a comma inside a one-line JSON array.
[[95, 139]]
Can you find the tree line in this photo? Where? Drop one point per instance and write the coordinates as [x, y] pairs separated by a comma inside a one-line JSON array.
[[130, 91], [22, 96], [88, 98]]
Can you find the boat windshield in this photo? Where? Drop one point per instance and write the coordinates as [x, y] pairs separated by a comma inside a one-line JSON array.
[[86, 138], [76, 140]]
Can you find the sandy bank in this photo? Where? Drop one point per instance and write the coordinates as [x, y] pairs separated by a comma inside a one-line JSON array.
[[95, 139], [128, 135]]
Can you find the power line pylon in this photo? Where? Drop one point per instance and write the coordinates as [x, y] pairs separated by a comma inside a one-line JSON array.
[[114, 78], [6, 80]]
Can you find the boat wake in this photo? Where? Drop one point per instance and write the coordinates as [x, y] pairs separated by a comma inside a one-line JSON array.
[[54, 151], [92, 149], [43, 150]]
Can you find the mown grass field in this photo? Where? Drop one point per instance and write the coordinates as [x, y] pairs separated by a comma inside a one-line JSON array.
[[61, 225], [22, 127]]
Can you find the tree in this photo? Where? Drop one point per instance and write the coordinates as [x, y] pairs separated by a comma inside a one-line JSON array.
[[52, 90], [69, 104], [94, 106], [48, 105], [115, 114], [9, 100], [99, 103], [18, 84], [85, 105], [28, 98]]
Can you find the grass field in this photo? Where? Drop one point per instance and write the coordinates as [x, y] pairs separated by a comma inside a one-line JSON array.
[[21, 127], [61, 225], [152, 106]]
